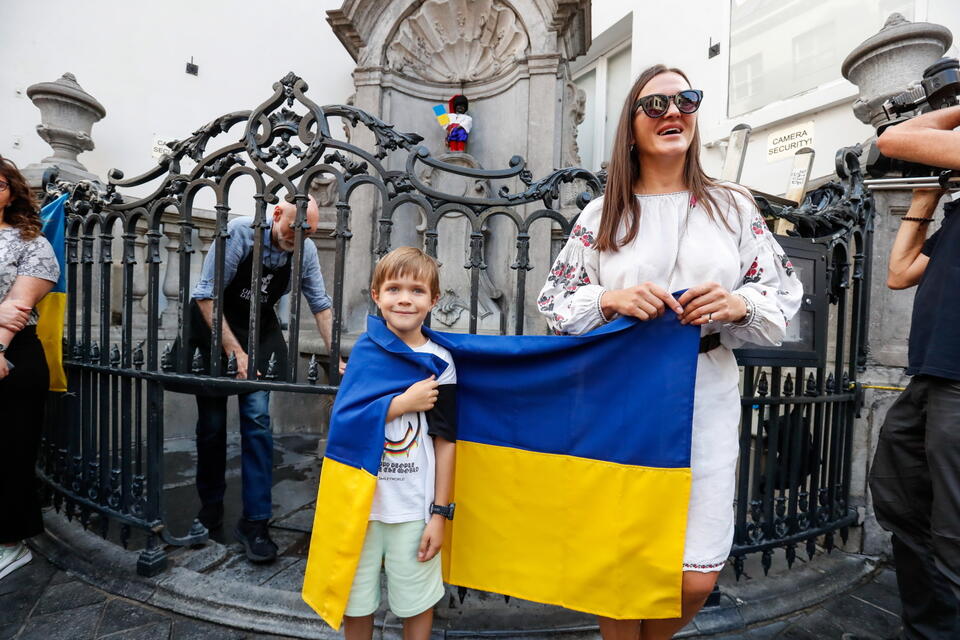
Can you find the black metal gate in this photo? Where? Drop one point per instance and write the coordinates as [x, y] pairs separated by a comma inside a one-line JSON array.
[[102, 451]]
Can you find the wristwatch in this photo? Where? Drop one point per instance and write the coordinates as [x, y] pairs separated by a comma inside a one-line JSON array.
[[446, 512]]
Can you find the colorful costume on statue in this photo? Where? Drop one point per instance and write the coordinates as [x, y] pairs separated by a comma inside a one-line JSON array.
[[458, 129], [553, 432]]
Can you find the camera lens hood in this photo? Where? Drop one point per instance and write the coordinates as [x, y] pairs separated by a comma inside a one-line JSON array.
[[941, 65]]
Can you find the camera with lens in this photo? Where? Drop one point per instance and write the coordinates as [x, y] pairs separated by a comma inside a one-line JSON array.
[[938, 88]]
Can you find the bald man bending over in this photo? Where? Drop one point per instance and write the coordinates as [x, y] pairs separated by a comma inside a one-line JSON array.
[[256, 435]]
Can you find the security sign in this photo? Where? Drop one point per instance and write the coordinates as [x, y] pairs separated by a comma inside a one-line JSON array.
[[160, 147], [783, 143]]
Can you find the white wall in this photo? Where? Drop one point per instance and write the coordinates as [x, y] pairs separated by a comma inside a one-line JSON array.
[[604, 13], [131, 57]]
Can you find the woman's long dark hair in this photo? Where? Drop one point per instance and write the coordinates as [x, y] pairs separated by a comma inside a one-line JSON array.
[[21, 211], [624, 170]]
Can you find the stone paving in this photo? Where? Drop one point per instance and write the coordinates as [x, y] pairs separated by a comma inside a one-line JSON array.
[[43, 601]]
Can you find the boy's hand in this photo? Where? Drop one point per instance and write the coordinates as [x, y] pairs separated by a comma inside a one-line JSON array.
[[420, 396], [432, 538]]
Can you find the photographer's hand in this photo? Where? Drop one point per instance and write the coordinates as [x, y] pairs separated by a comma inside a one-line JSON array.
[[907, 263], [929, 139]]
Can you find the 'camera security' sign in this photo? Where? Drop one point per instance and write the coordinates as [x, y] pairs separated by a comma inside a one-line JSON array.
[[783, 143], [160, 147]]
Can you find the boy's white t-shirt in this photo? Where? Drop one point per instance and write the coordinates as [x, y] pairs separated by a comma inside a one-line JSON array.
[[405, 482]]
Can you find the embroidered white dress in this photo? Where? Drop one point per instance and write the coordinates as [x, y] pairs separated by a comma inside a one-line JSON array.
[[679, 246]]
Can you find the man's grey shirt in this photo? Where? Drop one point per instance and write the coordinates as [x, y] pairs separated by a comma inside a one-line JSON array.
[[240, 244]]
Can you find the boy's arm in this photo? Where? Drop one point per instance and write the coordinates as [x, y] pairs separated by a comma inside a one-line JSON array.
[[445, 453], [432, 539], [442, 426]]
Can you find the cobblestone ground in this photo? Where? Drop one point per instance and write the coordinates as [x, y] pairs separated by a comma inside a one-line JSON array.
[[40, 602]]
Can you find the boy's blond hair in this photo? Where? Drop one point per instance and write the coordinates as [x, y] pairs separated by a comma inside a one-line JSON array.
[[407, 261]]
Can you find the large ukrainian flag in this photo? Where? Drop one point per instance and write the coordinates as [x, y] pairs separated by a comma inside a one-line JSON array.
[[51, 307], [572, 471]]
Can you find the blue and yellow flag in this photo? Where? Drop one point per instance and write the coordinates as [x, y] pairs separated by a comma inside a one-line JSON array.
[[441, 114], [572, 473], [51, 307]]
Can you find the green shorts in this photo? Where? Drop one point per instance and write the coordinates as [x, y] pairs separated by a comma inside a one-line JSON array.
[[412, 586]]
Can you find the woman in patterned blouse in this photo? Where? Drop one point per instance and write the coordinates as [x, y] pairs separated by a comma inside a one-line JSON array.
[[28, 270], [664, 226]]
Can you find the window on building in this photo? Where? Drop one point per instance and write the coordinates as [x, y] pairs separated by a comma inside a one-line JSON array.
[[618, 84], [603, 75], [588, 84], [745, 77], [821, 33], [814, 54], [605, 84]]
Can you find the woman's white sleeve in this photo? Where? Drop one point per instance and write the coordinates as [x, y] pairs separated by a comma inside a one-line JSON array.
[[570, 299], [769, 283]]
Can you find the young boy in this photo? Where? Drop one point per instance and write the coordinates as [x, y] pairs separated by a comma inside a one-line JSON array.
[[415, 480]]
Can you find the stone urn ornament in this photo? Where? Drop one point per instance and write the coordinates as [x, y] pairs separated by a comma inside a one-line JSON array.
[[67, 114], [890, 61]]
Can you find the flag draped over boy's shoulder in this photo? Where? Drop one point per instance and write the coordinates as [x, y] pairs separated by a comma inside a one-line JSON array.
[[51, 307], [572, 473]]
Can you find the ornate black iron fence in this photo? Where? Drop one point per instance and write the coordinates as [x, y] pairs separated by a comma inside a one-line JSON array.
[[799, 405], [102, 451]]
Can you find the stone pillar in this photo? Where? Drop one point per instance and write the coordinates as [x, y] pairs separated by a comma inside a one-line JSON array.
[[67, 114], [171, 277], [140, 273], [544, 109], [882, 66]]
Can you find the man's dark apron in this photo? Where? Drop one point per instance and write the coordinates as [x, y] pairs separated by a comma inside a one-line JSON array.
[[236, 311]]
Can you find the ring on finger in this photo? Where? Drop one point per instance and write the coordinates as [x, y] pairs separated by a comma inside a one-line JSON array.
[[710, 317]]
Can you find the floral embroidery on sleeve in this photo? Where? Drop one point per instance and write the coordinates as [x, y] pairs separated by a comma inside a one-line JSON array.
[[754, 273], [545, 303], [562, 276], [584, 235], [570, 298], [769, 282], [787, 265]]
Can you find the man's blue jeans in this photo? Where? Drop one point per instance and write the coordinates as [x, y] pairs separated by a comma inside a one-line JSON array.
[[256, 445]]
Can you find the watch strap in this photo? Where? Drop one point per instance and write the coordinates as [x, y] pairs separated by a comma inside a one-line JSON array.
[[445, 511]]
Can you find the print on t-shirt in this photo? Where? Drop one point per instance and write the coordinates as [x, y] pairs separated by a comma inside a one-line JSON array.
[[399, 455]]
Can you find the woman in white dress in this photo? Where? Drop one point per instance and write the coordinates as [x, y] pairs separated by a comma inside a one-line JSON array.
[[665, 226]]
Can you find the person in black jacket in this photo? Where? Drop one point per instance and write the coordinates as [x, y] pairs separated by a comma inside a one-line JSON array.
[[915, 477]]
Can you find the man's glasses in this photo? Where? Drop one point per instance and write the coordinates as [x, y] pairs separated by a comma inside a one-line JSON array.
[[656, 105], [3, 186]]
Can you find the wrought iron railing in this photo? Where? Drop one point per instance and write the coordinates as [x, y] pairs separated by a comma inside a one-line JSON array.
[[797, 422], [102, 451]]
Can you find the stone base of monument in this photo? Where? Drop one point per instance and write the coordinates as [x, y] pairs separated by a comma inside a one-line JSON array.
[[216, 583]]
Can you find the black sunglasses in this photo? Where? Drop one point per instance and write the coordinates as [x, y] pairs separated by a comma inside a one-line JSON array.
[[656, 105]]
